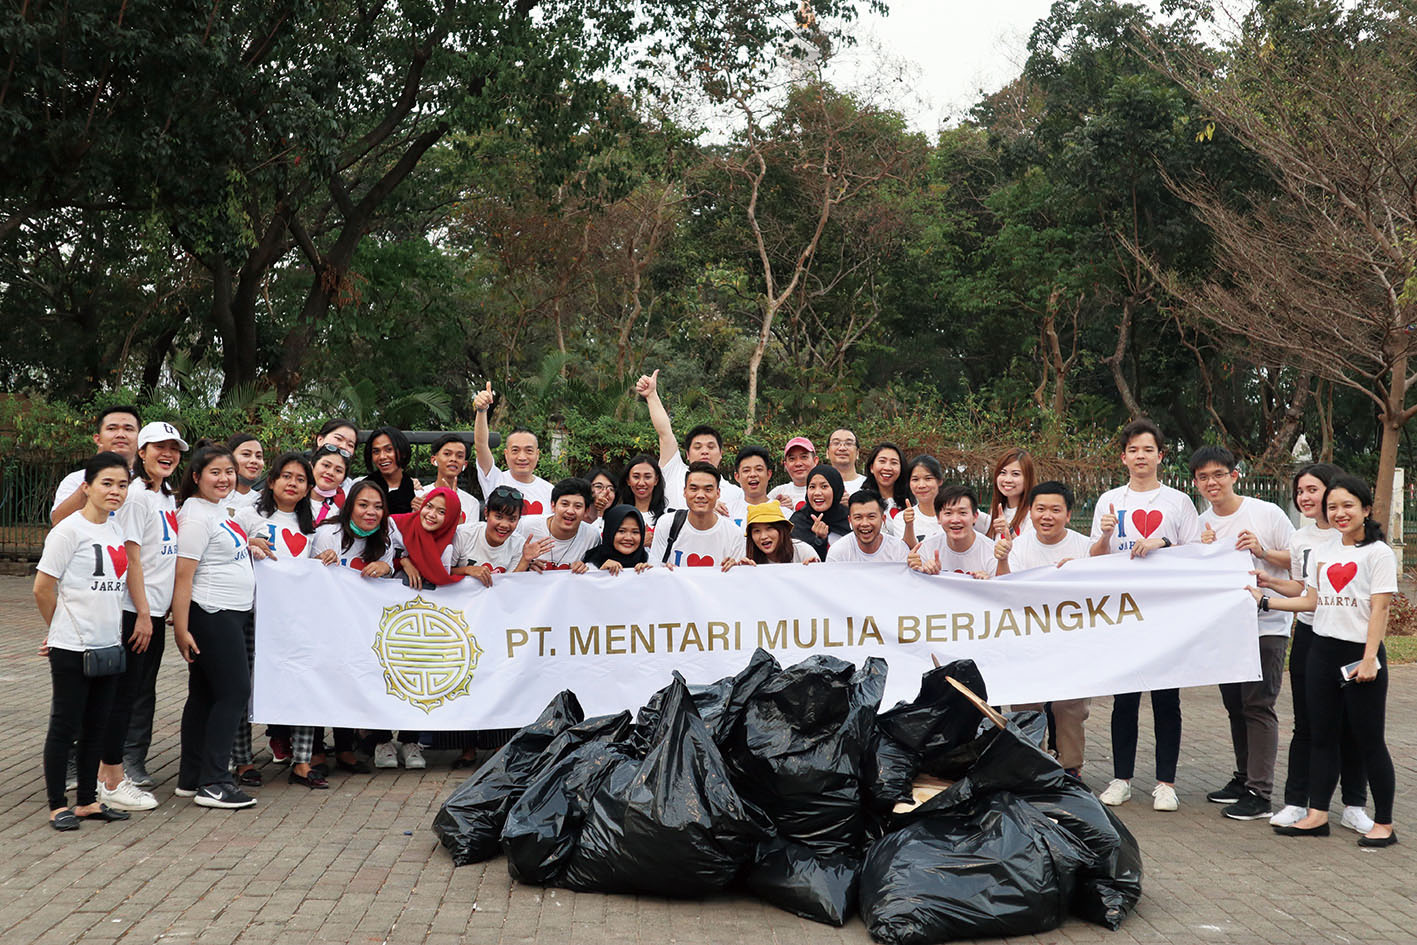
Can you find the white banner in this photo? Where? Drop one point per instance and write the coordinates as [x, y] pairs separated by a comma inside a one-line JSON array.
[[335, 648]]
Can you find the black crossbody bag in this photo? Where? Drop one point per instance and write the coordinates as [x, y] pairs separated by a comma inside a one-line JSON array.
[[680, 517]]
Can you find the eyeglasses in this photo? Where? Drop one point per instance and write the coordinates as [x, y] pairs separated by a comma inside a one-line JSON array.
[[329, 449], [505, 492], [602, 487]]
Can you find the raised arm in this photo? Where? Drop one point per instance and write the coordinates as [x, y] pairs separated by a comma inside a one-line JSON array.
[[481, 403], [648, 388]]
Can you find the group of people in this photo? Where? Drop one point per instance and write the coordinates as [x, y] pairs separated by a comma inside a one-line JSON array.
[[139, 537]]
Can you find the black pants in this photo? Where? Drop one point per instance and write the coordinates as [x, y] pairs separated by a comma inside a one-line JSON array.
[[218, 691], [1166, 717], [78, 709], [137, 684], [1365, 704], [1296, 783]]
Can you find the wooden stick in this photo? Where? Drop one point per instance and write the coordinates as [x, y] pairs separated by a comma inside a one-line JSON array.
[[979, 703]]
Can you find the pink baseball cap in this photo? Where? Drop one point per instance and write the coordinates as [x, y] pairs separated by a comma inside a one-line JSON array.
[[801, 441]]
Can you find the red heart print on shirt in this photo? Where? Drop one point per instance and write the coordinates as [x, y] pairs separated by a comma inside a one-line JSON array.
[[171, 521], [1340, 574], [357, 564], [895, 512], [698, 561], [1146, 522], [231, 523], [293, 540], [119, 557], [530, 508]]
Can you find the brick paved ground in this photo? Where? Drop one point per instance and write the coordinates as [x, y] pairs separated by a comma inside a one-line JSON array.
[[358, 863]]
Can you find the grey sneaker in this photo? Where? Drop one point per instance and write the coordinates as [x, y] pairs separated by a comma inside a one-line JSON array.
[[137, 772], [71, 775]]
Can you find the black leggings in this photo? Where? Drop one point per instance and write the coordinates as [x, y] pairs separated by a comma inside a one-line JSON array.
[[134, 686], [78, 709], [1365, 705], [1296, 784], [218, 694], [1166, 717]]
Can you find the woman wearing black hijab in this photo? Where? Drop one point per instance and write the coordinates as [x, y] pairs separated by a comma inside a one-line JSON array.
[[622, 541], [823, 519]]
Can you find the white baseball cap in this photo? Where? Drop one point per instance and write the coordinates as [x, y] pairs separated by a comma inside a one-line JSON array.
[[160, 432]]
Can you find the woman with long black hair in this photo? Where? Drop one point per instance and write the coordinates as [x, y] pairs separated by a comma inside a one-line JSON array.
[[1349, 590], [885, 467], [642, 486], [213, 626]]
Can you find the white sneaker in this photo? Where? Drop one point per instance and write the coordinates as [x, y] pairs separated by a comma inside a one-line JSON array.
[[1164, 798], [1117, 793], [1288, 816], [412, 755], [386, 755], [126, 796], [185, 792], [1356, 818]]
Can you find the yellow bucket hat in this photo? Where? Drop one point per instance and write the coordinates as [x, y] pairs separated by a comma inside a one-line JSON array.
[[765, 513]]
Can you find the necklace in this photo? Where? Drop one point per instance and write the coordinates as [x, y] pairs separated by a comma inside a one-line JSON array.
[[1154, 493]]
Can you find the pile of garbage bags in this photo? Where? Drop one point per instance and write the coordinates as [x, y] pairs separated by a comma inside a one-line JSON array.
[[934, 821]]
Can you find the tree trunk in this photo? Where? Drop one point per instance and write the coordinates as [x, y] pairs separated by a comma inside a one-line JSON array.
[[756, 362], [1114, 362], [1392, 423]]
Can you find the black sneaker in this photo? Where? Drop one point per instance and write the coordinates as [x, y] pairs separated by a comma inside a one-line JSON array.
[[1249, 807], [223, 796], [1229, 794]]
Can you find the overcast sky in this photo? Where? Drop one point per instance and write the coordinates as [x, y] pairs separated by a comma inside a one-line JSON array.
[[959, 47]]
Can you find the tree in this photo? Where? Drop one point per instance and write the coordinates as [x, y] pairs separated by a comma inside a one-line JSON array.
[[1317, 271]]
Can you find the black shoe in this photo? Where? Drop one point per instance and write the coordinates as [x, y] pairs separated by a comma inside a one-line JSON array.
[[65, 820], [223, 796], [313, 781], [1249, 807], [105, 813], [1229, 794], [251, 777], [1387, 841], [353, 767], [137, 772], [1320, 831]]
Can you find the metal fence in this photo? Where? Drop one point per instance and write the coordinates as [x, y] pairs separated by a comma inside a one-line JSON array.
[[27, 491]]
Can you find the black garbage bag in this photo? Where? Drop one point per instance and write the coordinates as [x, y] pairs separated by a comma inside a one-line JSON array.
[[1009, 760], [1108, 892], [720, 704], [670, 823], [469, 823], [800, 752], [543, 826], [790, 876], [998, 868], [931, 734]]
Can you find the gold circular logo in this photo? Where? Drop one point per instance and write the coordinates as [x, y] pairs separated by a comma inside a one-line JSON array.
[[428, 653]]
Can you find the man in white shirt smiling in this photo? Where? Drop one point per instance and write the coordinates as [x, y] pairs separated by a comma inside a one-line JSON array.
[[869, 542], [697, 536]]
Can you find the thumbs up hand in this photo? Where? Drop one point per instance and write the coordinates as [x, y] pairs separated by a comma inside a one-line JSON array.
[[482, 401], [1109, 521], [908, 513], [1208, 535], [647, 384]]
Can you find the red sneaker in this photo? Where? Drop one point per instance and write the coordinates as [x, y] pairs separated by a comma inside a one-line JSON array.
[[280, 749]]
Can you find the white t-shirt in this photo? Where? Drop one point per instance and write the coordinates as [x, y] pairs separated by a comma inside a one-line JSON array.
[[1303, 545], [89, 562], [329, 538], [674, 472], [853, 485], [324, 510], [979, 556], [67, 487], [281, 531], [1029, 553], [471, 508], [1025, 525], [564, 552], [849, 549], [536, 495], [1160, 513], [149, 519], [236, 501], [803, 552], [926, 526], [470, 546], [695, 548], [1272, 527], [737, 510], [207, 535], [795, 494], [1347, 577]]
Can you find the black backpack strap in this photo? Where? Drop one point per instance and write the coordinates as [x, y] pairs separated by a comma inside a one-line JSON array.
[[680, 517]]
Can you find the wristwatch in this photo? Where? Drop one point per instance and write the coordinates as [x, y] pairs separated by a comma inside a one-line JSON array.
[[1165, 542], [1264, 603]]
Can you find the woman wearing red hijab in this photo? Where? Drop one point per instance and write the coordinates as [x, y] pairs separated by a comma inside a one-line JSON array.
[[425, 538]]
